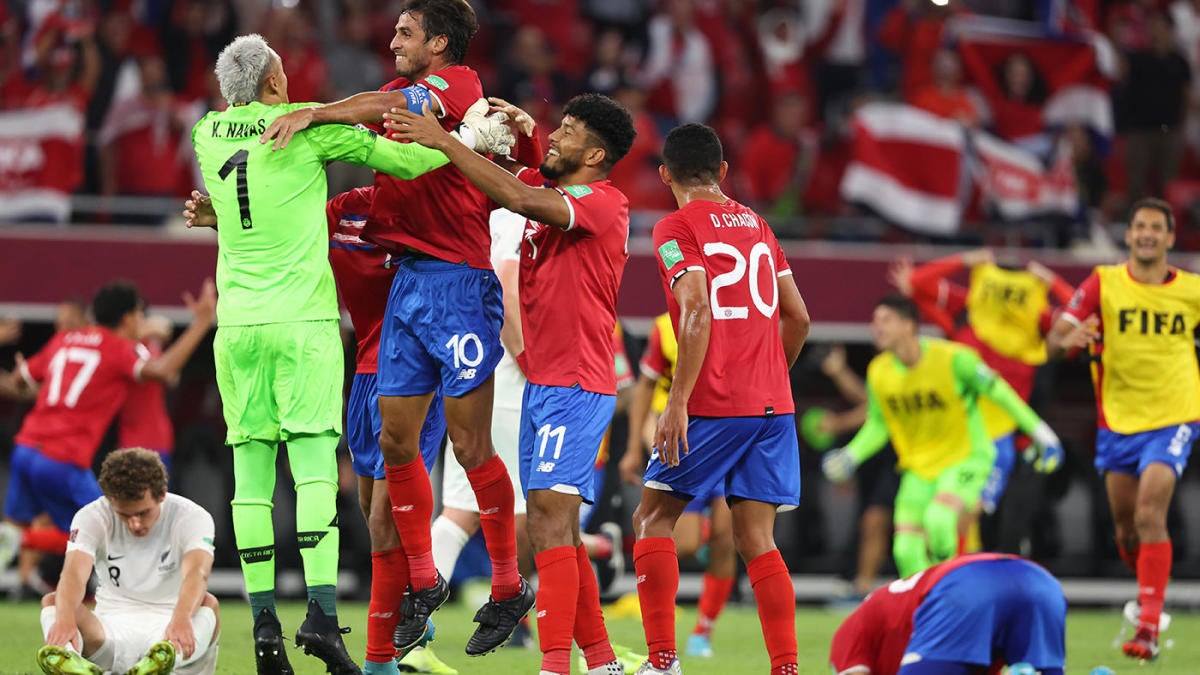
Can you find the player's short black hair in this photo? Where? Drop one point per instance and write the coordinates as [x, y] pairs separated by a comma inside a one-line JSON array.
[[1154, 204], [113, 301], [453, 18], [692, 154], [901, 305], [608, 121]]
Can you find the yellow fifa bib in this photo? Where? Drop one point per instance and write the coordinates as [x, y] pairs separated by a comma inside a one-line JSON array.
[[923, 407], [670, 350], [1147, 377], [1004, 308]]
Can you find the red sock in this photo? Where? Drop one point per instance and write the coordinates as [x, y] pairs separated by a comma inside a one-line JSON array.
[[776, 608], [589, 632], [494, 493], [1153, 572], [389, 578], [557, 595], [412, 509], [656, 564], [45, 539], [713, 597], [1130, 556]]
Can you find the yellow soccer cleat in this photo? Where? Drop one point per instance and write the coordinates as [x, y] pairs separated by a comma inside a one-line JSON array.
[[55, 660], [159, 660], [423, 660]]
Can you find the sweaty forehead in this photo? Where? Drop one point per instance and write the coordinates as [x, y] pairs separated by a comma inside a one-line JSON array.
[[409, 21]]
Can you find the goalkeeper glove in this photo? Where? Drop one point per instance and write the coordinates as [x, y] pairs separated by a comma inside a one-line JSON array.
[[485, 133], [838, 465], [1046, 453]]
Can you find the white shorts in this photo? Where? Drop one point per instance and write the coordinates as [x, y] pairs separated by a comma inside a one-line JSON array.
[[131, 632], [506, 428]]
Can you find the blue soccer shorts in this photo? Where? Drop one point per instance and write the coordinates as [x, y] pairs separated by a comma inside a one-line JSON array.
[[1002, 468], [1132, 453], [754, 458], [1011, 608], [561, 432], [587, 510], [441, 329], [38, 484], [701, 503], [364, 424]]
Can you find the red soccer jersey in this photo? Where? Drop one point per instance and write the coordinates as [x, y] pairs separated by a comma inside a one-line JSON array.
[[143, 421], [569, 281], [745, 372], [440, 213], [877, 633], [362, 270], [84, 377]]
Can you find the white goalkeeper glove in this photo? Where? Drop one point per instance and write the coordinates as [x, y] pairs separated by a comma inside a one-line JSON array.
[[485, 133], [838, 465], [1046, 452]]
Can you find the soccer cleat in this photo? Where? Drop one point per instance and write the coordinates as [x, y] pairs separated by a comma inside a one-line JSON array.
[[321, 637], [648, 669], [699, 646], [498, 619], [423, 660], [55, 660], [1133, 614], [269, 655], [1143, 646], [430, 634], [415, 609], [159, 660], [611, 568]]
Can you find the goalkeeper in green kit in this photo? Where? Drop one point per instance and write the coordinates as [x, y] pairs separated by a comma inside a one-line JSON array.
[[278, 350]]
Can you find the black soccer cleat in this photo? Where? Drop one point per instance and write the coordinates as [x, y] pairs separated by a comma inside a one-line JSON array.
[[415, 609], [498, 619], [269, 655], [321, 637]]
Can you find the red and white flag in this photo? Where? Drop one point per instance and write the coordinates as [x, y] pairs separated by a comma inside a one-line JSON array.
[[41, 160], [1016, 183], [906, 165]]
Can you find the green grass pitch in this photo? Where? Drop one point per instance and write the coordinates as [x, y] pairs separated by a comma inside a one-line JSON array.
[[737, 641]]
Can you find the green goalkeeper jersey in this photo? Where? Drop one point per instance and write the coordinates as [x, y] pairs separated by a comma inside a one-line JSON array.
[[273, 240]]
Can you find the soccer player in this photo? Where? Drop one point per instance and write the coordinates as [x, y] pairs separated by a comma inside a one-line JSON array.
[[1003, 315], [961, 617], [923, 393], [1137, 320], [152, 552], [650, 394], [443, 320], [82, 377], [728, 420], [572, 256], [278, 350], [143, 422]]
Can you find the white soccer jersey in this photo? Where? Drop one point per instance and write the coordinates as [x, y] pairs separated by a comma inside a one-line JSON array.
[[507, 230], [140, 571]]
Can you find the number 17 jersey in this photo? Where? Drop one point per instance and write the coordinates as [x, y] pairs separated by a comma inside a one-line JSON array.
[[745, 372]]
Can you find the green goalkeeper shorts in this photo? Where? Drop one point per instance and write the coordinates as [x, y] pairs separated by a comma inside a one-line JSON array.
[[280, 380], [964, 480]]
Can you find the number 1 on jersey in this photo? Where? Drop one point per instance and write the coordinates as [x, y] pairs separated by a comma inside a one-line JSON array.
[[238, 161]]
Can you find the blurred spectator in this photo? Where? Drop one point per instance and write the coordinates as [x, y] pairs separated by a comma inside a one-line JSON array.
[[913, 30], [11, 83], [1129, 24], [839, 75], [776, 161], [636, 174], [1090, 179], [679, 71], [562, 25], [289, 32], [195, 33], [355, 63], [791, 42], [1017, 110], [1186, 15], [610, 65], [945, 95], [1157, 82], [626, 16], [530, 72], [140, 132]]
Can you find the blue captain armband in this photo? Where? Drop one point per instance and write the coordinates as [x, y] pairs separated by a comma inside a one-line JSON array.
[[418, 98]]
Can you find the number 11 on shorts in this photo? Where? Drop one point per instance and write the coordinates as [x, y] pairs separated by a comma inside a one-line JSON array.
[[545, 434]]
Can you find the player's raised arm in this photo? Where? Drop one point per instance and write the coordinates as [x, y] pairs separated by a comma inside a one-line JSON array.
[[166, 368], [695, 328], [839, 464]]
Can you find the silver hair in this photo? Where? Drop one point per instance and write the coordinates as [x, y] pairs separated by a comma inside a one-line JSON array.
[[242, 68]]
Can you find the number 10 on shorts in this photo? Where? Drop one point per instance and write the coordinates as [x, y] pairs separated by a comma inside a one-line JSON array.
[[467, 350], [545, 434]]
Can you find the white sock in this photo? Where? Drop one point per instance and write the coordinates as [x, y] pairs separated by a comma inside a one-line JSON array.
[[448, 542], [49, 616]]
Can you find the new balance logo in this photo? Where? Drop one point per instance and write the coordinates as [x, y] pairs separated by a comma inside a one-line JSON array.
[[641, 578], [466, 374], [488, 512], [403, 508], [545, 467], [541, 614]]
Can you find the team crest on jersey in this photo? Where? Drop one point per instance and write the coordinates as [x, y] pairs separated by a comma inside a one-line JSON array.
[[438, 82]]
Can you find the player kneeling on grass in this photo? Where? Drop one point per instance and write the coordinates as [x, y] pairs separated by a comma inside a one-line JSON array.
[[970, 615], [152, 552]]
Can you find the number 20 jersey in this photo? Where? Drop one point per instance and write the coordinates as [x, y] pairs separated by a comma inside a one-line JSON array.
[[83, 377], [745, 372]]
